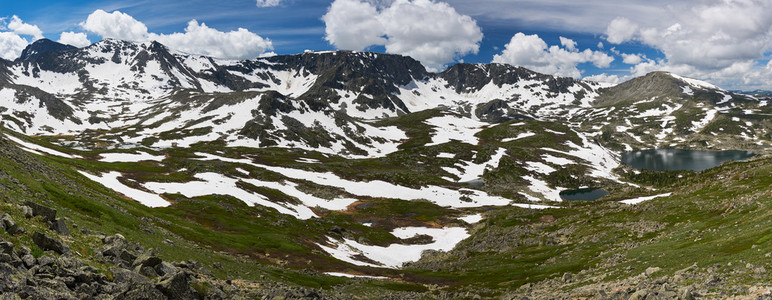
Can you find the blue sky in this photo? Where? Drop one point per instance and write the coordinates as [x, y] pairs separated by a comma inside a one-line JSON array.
[[727, 42]]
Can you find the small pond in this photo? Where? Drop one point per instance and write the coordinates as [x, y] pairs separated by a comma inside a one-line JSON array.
[[679, 159], [583, 194]]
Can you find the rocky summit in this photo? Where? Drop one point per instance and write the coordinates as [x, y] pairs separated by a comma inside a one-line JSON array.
[[129, 170]]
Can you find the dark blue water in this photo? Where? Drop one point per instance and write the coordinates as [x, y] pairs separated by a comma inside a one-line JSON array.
[[583, 194], [678, 159]]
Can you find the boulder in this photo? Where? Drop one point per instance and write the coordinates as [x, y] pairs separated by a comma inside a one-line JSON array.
[[28, 260], [127, 256], [148, 272], [114, 245], [47, 213], [652, 270], [60, 227], [178, 286], [147, 260], [9, 225], [27, 211], [45, 260], [46, 242], [6, 247], [142, 291], [639, 295], [165, 269]]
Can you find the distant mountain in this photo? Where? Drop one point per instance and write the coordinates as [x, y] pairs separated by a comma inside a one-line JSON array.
[[115, 84], [756, 93], [662, 109]]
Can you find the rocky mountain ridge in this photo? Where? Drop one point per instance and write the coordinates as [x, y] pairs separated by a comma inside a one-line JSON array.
[[124, 88]]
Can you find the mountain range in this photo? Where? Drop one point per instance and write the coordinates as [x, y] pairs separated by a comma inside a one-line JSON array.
[[365, 164]]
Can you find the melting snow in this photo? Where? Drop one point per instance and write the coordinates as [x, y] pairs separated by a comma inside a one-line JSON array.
[[37, 148], [217, 184], [446, 155], [519, 136], [110, 180], [539, 167], [709, 116], [338, 274], [541, 187], [380, 189], [557, 160], [472, 171], [695, 82], [471, 219], [448, 128], [641, 199], [395, 255], [130, 157]]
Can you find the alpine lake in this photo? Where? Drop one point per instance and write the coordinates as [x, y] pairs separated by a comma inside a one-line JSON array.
[[663, 160]]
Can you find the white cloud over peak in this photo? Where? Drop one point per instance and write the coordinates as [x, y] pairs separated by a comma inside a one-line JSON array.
[[352, 24], [201, 39], [78, 39], [724, 41], [430, 31], [11, 45], [11, 42], [21, 28], [531, 52], [632, 59], [604, 78], [116, 25], [197, 38], [268, 3]]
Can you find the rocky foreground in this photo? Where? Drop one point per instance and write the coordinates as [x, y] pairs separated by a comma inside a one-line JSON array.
[[134, 272], [137, 273]]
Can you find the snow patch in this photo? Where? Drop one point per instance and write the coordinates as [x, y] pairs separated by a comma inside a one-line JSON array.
[[110, 180], [641, 199], [37, 148], [472, 219], [129, 157], [395, 255], [519, 136]]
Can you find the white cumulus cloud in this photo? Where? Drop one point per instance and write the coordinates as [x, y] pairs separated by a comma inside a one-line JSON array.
[[11, 42], [604, 78], [116, 25], [198, 38], [11, 45], [430, 31], [726, 42], [352, 24], [631, 59], [201, 39], [531, 52], [268, 3], [77, 39], [620, 30], [568, 43], [21, 28]]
